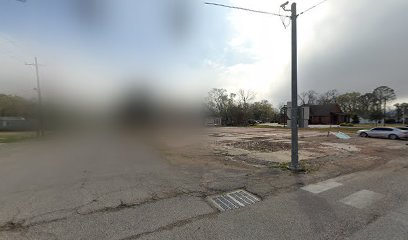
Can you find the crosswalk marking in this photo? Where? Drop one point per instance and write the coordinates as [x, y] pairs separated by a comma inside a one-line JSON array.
[[362, 199], [321, 186]]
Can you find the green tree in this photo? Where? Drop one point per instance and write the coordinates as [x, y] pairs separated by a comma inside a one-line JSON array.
[[263, 110], [349, 102], [384, 94], [15, 106], [367, 104], [376, 116], [401, 111]]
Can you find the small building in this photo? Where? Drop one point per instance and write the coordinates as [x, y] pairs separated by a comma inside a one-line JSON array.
[[327, 114], [15, 124], [213, 121]]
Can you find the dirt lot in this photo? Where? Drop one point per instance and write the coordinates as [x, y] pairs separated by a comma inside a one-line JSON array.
[[255, 159]]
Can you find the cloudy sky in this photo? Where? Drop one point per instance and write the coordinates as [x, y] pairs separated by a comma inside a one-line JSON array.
[[94, 48]]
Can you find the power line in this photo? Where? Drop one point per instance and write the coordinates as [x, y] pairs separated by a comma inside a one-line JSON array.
[[245, 9], [312, 7]]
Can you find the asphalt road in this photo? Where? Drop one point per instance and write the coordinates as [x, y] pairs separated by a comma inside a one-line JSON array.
[[92, 189]]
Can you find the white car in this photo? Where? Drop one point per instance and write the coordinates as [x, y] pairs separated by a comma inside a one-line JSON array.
[[384, 132]]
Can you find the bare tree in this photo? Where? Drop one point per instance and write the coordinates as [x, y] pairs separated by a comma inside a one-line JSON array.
[[217, 102], [308, 97], [245, 97], [328, 97]]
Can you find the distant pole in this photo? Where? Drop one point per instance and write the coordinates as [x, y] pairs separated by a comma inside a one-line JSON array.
[[385, 110], [40, 129], [294, 166]]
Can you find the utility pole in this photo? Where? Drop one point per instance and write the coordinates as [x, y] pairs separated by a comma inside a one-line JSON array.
[[295, 157], [40, 129], [294, 165]]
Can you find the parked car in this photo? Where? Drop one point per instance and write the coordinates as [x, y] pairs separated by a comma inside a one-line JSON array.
[[384, 132]]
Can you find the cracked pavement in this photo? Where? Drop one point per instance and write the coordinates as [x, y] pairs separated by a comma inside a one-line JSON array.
[[113, 187], [91, 184]]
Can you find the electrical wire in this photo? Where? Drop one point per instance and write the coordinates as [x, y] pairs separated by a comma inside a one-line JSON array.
[[312, 7], [245, 9]]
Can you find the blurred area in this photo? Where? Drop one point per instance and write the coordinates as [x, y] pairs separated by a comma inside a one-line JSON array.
[[102, 65]]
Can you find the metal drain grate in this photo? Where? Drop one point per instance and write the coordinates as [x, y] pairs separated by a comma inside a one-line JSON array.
[[233, 200]]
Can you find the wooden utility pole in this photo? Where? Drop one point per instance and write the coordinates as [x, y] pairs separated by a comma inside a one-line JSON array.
[[40, 124]]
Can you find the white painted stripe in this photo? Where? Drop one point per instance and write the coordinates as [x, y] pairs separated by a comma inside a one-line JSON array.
[[321, 186], [362, 199]]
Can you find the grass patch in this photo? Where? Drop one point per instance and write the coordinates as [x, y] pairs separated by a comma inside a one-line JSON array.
[[11, 137], [268, 126]]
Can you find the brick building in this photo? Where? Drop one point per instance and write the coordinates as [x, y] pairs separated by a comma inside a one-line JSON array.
[[327, 114]]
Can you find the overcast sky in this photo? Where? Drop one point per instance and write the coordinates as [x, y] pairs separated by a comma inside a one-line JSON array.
[[93, 48]]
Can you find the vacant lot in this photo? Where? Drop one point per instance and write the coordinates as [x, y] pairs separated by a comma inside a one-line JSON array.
[[256, 158]]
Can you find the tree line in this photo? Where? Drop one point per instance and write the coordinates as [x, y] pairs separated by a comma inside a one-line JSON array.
[[371, 105], [15, 106], [238, 108]]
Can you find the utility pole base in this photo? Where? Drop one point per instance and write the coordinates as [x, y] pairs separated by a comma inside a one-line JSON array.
[[296, 168]]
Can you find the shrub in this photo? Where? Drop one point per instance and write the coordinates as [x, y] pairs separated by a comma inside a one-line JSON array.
[[355, 119], [390, 121], [346, 125]]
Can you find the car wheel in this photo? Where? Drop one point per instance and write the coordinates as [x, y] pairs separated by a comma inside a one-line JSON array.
[[363, 134], [393, 137]]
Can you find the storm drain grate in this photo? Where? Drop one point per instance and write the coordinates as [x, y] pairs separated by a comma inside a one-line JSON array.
[[233, 200]]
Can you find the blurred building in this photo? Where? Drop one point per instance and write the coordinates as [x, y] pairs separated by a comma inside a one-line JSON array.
[[16, 124]]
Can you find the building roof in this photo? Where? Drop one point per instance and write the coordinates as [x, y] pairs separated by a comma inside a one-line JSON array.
[[324, 110]]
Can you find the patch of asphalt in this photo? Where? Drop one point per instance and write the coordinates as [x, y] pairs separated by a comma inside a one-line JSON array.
[[64, 214], [171, 226], [129, 222]]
